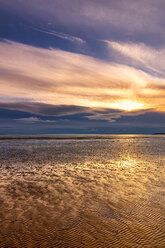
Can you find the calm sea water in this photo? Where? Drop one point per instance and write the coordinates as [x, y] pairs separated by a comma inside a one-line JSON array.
[[104, 191]]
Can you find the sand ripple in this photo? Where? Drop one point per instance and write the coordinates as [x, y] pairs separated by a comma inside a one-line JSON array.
[[90, 193]]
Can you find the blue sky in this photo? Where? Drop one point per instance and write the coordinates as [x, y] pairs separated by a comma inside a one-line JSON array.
[[71, 66]]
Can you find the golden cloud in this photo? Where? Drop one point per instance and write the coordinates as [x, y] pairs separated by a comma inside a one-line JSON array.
[[58, 77]]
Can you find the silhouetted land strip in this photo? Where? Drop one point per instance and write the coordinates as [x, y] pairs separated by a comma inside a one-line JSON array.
[[158, 134], [73, 137]]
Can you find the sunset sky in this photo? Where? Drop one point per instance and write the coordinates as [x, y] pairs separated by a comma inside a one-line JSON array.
[[73, 66]]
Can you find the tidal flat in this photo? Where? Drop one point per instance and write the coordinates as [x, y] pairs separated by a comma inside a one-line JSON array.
[[104, 191]]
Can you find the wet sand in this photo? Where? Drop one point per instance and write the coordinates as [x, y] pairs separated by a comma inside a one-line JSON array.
[[83, 193]]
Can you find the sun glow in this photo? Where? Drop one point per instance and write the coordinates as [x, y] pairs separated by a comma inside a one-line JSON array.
[[128, 105]]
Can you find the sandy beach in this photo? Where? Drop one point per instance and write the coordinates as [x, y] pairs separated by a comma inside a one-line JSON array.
[[83, 193]]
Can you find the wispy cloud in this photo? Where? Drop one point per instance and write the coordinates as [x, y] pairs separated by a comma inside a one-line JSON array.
[[143, 17], [68, 37], [34, 120], [139, 54], [52, 76]]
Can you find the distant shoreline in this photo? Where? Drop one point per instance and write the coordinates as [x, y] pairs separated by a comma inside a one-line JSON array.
[[71, 136]]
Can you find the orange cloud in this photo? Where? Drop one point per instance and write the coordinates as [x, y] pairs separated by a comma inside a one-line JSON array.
[[59, 77]]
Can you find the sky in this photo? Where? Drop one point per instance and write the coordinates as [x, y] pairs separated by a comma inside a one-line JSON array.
[[82, 67]]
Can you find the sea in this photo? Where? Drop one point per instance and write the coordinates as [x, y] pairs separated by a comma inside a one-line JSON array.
[[82, 191]]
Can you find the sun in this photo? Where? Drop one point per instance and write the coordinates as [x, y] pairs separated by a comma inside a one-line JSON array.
[[128, 105]]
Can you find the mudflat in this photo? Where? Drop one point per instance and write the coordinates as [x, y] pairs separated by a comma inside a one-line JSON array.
[[87, 192]]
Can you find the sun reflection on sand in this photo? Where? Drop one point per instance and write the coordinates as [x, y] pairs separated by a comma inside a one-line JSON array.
[[58, 193]]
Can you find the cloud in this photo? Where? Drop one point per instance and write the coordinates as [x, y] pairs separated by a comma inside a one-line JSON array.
[[112, 115], [43, 109], [61, 35], [103, 18], [139, 54], [56, 77], [33, 120], [48, 110]]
